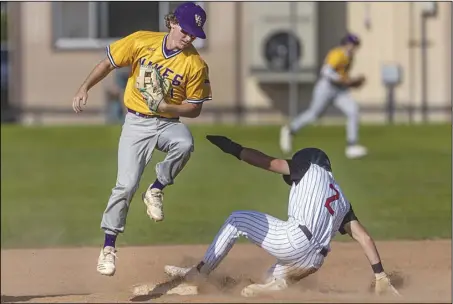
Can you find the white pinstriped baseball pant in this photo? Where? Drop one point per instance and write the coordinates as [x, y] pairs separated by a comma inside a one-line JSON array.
[[296, 256]]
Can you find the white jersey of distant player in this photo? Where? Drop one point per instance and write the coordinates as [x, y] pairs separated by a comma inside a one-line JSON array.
[[318, 203]]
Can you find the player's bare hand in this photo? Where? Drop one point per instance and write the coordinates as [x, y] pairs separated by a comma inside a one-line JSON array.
[[79, 99]]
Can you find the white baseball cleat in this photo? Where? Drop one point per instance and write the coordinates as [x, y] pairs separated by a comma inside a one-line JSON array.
[[175, 271], [106, 261], [286, 139], [355, 151], [153, 199], [257, 289]]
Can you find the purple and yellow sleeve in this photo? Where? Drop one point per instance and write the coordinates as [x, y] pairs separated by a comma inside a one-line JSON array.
[[198, 88], [121, 52]]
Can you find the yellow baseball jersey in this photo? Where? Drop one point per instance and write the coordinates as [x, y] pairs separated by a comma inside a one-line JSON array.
[[185, 69], [340, 61]]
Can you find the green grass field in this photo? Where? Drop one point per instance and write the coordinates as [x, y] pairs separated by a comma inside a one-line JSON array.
[[55, 183]]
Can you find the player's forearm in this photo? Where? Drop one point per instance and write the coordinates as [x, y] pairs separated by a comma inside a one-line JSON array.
[[100, 71], [370, 250], [184, 110], [358, 232], [259, 159], [256, 158]]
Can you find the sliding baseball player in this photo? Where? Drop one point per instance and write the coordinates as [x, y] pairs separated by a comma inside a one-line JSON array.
[[317, 210]]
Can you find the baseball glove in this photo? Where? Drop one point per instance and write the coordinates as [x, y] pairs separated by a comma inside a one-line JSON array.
[[153, 87], [357, 82]]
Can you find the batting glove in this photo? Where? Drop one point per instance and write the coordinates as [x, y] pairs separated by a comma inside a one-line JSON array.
[[226, 145], [383, 285]]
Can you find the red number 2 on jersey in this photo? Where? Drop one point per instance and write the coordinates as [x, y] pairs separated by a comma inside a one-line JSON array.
[[331, 199]]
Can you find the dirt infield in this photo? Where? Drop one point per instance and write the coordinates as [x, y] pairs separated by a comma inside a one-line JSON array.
[[69, 275]]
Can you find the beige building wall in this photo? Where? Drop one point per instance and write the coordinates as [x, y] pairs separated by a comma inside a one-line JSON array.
[[220, 53], [394, 38], [50, 77], [394, 27]]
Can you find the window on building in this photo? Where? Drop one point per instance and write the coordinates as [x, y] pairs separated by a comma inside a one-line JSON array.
[[96, 24]]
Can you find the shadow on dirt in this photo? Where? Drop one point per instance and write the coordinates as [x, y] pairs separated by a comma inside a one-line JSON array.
[[158, 291], [14, 299]]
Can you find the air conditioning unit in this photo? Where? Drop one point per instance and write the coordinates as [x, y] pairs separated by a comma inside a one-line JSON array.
[[284, 42]]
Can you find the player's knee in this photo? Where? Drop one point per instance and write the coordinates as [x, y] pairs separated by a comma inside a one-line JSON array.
[[231, 218], [184, 145], [235, 215]]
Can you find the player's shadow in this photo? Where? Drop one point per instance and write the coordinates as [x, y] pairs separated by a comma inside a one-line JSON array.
[[158, 291], [14, 299]]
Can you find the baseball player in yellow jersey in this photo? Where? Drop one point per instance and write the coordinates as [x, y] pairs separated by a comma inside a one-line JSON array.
[[333, 85], [152, 124]]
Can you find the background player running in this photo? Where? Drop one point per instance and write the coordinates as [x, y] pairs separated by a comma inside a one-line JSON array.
[[333, 86], [317, 209]]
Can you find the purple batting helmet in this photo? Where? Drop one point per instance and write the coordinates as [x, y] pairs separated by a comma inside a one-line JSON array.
[[191, 17], [351, 38]]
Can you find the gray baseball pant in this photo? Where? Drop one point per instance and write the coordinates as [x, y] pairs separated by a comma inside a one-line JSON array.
[[139, 137], [323, 94]]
